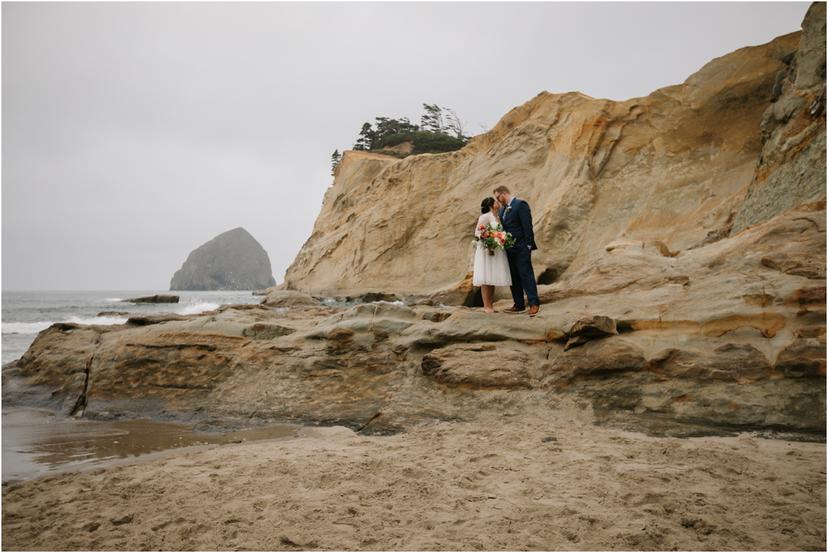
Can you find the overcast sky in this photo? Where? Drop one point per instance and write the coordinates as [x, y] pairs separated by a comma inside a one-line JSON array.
[[133, 133]]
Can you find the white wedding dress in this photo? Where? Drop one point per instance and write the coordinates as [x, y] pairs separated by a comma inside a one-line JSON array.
[[490, 269]]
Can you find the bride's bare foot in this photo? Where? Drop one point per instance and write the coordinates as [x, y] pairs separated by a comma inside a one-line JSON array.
[[489, 310]]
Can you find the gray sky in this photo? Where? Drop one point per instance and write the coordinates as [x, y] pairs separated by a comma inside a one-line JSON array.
[[135, 132]]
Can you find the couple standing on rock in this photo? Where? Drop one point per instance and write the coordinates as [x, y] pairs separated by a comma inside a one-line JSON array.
[[511, 266]]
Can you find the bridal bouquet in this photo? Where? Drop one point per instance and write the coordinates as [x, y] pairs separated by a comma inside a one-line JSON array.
[[494, 238]]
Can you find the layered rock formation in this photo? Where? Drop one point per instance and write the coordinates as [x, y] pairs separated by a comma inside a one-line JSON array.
[[233, 260], [385, 366], [682, 263]]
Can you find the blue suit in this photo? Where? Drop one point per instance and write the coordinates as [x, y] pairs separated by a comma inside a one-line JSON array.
[[517, 220]]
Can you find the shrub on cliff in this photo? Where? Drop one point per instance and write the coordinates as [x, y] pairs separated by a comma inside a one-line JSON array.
[[423, 141]]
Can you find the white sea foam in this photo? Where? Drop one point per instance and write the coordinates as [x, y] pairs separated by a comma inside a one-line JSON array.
[[396, 302], [34, 328], [97, 320], [199, 307], [113, 299]]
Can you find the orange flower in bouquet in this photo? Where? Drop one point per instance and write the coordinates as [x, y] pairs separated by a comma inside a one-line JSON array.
[[494, 238]]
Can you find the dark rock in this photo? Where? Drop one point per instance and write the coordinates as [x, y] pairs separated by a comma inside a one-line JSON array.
[[548, 276], [805, 357], [244, 307], [340, 340], [371, 297], [157, 298], [126, 519], [263, 331], [155, 318], [65, 327], [588, 329], [233, 260], [474, 298], [807, 297], [436, 317], [112, 313]]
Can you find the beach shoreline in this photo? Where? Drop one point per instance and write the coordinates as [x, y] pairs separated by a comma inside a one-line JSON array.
[[539, 480]]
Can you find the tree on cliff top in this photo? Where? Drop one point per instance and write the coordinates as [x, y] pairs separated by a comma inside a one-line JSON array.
[[432, 119], [336, 157], [440, 130], [366, 137], [442, 121]]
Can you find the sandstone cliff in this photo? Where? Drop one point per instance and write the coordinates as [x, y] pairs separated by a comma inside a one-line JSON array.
[[681, 168], [233, 260]]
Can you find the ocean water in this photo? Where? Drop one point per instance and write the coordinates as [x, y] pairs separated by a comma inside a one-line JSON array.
[[24, 314]]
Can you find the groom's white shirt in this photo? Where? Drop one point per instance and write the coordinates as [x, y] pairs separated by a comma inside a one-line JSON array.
[[509, 204]]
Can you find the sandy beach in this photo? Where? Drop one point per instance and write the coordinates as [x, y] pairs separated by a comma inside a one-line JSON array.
[[536, 480], [361, 381]]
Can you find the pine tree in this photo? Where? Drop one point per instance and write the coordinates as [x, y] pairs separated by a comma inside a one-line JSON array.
[[432, 119], [366, 137], [336, 157], [453, 124], [387, 126]]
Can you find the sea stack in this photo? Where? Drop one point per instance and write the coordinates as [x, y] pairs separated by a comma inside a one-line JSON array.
[[233, 260]]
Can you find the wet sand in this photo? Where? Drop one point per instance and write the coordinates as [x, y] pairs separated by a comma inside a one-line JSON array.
[[540, 481], [38, 442]]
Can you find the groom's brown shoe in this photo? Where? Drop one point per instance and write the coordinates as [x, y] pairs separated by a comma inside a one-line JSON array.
[[533, 310], [514, 309]]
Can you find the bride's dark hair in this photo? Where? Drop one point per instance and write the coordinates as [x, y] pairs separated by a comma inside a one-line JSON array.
[[486, 205]]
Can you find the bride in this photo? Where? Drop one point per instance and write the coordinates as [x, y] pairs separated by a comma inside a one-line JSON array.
[[489, 270]]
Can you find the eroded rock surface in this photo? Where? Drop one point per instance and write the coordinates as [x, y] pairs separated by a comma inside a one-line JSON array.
[[384, 366]]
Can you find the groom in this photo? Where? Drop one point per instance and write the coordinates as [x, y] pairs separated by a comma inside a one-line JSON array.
[[516, 218]]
